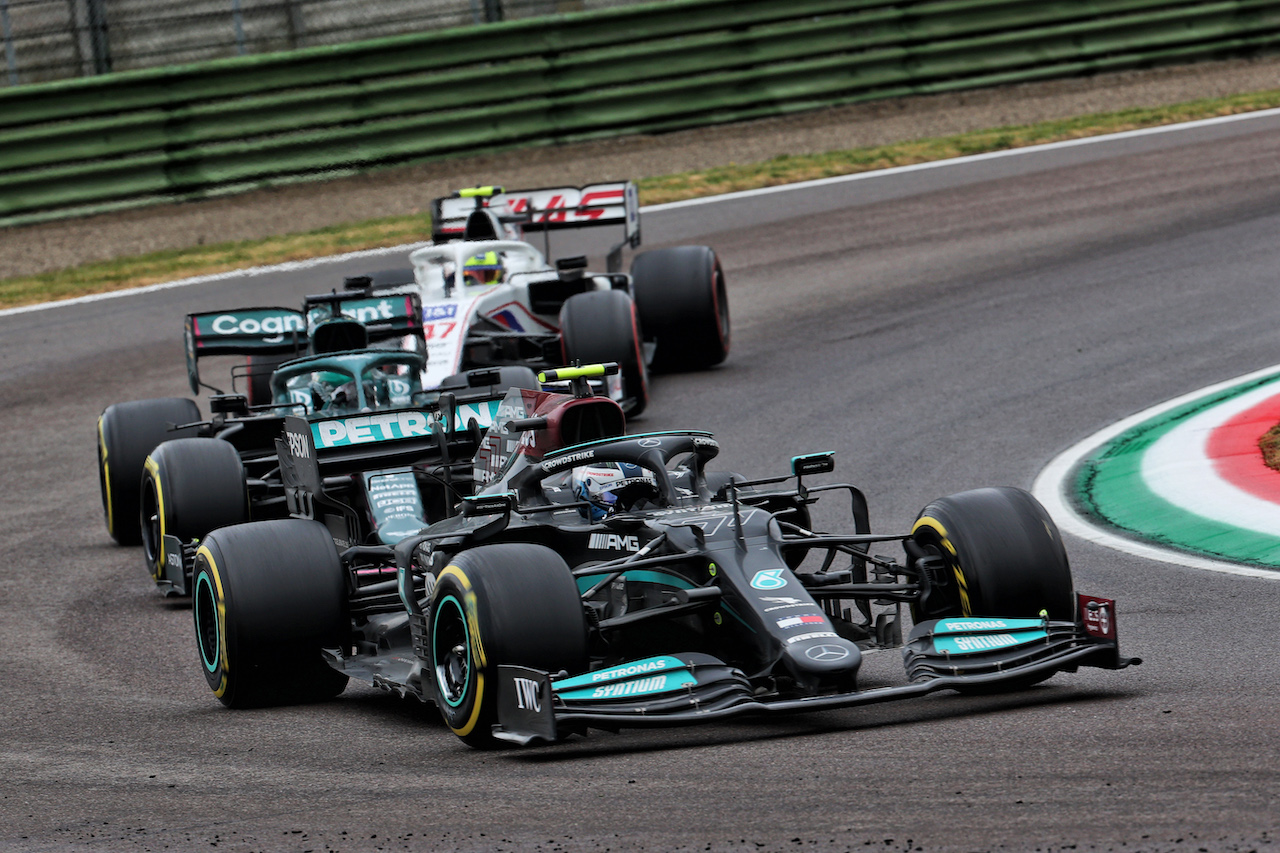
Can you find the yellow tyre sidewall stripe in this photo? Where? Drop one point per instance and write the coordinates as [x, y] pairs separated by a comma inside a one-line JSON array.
[[223, 662], [471, 614], [153, 468], [941, 530], [106, 478]]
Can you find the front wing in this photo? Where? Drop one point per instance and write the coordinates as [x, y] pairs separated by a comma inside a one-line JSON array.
[[692, 688]]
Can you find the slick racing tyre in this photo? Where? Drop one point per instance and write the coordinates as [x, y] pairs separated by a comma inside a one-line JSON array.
[[684, 306], [127, 432], [599, 326], [190, 486], [1002, 555], [518, 376], [514, 604], [267, 597], [391, 278], [260, 368], [509, 376]]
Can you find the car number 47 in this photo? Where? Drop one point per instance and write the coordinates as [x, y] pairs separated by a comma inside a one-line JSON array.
[[438, 330]]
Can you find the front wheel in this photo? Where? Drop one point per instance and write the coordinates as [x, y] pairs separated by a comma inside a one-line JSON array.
[[267, 598], [514, 604], [190, 486], [400, 277], [509, 376], [1002, 554], [599, 326]]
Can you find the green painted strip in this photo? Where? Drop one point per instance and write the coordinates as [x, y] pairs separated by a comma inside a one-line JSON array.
[[638, 576], [1108, 489]]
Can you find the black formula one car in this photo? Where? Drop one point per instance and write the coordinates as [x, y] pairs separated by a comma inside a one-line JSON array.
[[617, 583]]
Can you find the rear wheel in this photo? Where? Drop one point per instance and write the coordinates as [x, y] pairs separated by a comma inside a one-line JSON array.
[[267, 597], [190, 486], [601, 325], [127, 433], [514, 604], [684, 306], [1002, 555]]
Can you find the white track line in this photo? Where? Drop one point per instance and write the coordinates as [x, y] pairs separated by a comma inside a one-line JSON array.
[[693, 202], [1177, 467], [971, 158], [1049, 488], [221, 276]]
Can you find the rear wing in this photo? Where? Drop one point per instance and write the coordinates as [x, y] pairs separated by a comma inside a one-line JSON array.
[[384, 317], [356, 441], [287, 331], [243, 331], [546, 209]]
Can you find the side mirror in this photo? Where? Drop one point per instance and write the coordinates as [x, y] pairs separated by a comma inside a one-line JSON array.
[[234, 405], [813, 463], [500, 504]]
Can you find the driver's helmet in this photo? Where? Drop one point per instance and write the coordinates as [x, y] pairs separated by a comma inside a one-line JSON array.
[[484, 268], [322, 386], [609, 487], [336, 393]]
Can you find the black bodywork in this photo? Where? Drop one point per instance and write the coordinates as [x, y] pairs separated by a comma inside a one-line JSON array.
[[712, 599]]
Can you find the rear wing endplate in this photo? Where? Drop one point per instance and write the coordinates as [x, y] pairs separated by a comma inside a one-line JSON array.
[[243, 331]]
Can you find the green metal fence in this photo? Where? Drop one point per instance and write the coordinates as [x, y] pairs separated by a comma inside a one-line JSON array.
[[174, 133]]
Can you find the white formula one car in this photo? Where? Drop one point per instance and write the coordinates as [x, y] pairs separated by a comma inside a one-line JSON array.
[[489, 298]]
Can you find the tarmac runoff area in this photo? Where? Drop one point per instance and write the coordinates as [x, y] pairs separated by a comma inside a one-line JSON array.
[[1183, 482]]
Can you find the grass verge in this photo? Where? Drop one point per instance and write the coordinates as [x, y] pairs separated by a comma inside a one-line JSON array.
[[174, 264]]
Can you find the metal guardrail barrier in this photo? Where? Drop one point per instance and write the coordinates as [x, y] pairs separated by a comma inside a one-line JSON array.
[[47, 40], [184, 132]]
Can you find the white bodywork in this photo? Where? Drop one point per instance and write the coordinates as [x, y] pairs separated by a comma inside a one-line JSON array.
[[450, 305]]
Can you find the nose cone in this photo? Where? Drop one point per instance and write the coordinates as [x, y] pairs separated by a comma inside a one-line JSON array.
[[823, 660]]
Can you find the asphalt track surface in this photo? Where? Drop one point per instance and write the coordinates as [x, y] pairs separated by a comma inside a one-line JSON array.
[[940, 329]]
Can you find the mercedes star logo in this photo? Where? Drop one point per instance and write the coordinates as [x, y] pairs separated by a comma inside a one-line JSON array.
[[649, 442], [825, 652]]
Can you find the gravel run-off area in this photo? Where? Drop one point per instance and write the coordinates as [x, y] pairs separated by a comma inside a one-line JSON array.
[[408, 189]]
